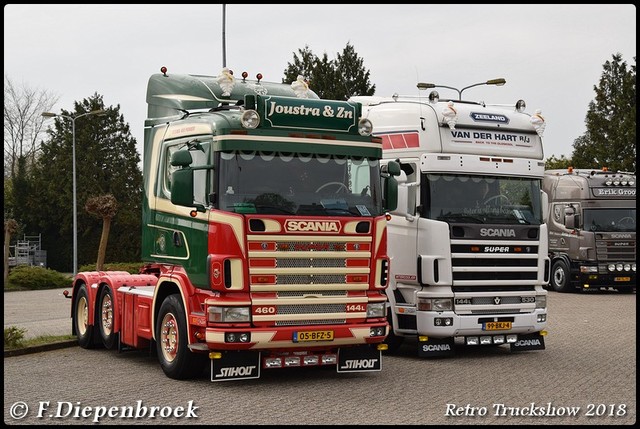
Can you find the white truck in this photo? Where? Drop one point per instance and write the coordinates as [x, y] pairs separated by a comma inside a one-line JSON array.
[[468, 242], [592, 229]]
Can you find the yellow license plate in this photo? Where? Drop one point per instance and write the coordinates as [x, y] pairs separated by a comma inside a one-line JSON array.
[[622, 279], [497, 326], [312, 336]]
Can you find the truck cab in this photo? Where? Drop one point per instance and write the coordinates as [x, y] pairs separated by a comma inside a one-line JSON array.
[[592, 229]]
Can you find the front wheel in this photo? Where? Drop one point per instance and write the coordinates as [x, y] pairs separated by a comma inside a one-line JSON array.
[[84, 331], [560, 276], [176, 360]]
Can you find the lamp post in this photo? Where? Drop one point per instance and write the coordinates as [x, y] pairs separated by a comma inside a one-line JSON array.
[[73, 163], [497, 82]]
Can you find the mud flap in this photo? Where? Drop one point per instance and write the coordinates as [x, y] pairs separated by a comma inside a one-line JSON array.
[[528, 342], [237, 365], [359, 359], [436, 347]]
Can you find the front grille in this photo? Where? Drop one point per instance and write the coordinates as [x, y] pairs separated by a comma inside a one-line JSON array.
[[302, 293], [309, 263], [287, 273], [476, 261], [311, 322], [615, 250], [488, 300], [302, 279]]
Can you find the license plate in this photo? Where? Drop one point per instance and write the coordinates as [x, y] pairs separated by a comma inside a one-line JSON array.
[[312, 336], [496, 326], [622, 279]]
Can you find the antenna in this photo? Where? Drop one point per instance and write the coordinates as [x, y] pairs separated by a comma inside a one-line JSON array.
[[224, 48]]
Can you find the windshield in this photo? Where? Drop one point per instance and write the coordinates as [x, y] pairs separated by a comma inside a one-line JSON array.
[[606, 220], [287, 183], [461, 198]]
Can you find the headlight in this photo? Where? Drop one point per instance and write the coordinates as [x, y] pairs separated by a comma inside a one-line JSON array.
[[365, 128], [250, 119], [435, 304], [541, 301], [229, 314], [588, 269], [376, 309], [611, 267], [627, 267]]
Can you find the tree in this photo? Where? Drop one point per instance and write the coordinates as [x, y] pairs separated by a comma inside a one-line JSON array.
[[103, 207], [352, 74], [610, 138], [23, 123], [553, 163], [302, 66], [336, 79], [107, 162]]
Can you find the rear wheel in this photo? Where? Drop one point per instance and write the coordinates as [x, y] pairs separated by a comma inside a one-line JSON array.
[[176, 360], [105, 321], [84, 331], [560, 276]]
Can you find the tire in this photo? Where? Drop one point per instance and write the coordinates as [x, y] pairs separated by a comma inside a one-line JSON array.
[[84, 331], [176, 360], [105, 318], [560, 276], [392, 341]]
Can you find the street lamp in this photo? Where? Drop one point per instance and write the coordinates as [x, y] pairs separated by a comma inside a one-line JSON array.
[[73, 162], [497, 82]]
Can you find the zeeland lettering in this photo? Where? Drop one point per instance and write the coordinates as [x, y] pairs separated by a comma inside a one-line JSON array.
[[489, 117]]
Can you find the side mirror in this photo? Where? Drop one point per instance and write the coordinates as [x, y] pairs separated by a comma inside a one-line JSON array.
[[181, 158], [182, 181], [571, 218], [182, 189], [390, 185], [390, 193], [544, 200], [393, 168]]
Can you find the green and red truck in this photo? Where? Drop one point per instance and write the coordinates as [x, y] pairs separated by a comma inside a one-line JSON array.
[[264, 234]]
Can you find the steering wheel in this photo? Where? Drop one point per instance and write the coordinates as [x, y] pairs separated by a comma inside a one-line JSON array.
[[495, 198], [627, 220], [340, 185]]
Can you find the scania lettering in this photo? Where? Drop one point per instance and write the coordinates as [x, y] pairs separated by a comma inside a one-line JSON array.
[[468, 242], [592, 229], [264, 234]]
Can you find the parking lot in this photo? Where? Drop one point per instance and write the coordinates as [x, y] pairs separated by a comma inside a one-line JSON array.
[[586, 375]]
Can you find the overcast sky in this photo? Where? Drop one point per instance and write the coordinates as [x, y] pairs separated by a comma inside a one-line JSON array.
[[550, 55]]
